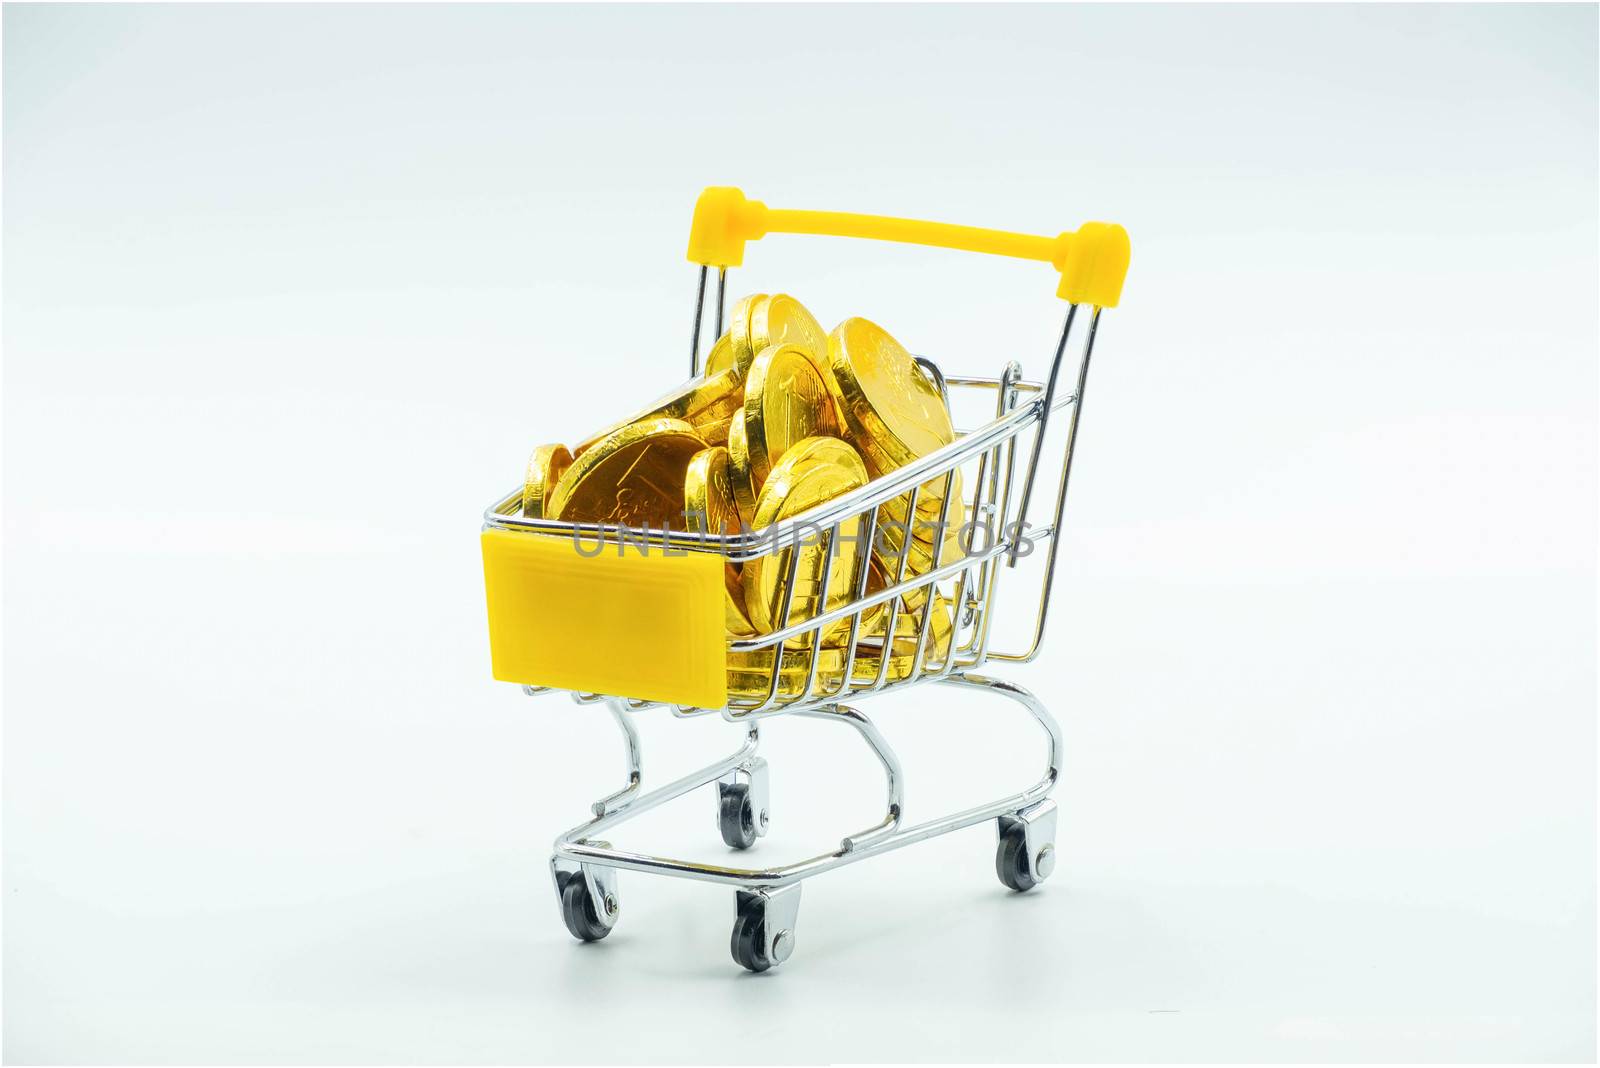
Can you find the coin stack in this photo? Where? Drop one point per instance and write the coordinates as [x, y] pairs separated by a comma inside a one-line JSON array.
[[784, 417]]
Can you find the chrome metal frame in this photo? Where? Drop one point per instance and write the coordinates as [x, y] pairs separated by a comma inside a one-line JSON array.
[[987, 455], [580, 846]]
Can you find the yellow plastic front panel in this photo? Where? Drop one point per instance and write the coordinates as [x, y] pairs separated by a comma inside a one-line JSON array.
[[649, 627]]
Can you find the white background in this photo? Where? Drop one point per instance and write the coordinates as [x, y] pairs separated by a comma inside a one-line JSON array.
[[290, 293]]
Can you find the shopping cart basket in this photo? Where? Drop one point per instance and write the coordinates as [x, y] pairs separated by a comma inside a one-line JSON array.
[[642, 626]]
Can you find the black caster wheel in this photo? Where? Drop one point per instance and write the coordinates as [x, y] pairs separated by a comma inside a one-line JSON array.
[[749, 939], [737, 817], [1011, 861], [579, 910]]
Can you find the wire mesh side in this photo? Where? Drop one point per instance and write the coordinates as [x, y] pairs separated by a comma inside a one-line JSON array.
[[918, 623]]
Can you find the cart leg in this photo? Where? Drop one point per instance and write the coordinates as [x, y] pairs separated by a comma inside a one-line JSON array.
[[588, 896], [744, 803], [894, 776], [630, 735], [1026, 853], [764, 932]]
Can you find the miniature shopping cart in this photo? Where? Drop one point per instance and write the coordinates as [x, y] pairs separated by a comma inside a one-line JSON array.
[[642, 627]]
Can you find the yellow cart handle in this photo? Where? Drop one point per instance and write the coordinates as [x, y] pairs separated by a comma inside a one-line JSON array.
[[1093, 260]]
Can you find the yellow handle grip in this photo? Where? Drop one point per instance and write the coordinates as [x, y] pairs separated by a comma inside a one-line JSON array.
[[1093, 260]]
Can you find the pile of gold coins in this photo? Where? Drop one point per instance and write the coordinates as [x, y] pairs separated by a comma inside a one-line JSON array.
[[784, 417]]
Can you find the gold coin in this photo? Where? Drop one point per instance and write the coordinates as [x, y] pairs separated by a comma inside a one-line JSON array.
[[868, 659], [735, 620], [786, 399], [891, 407], [930, 499], [830, 657], [782, 320], [715, 432], [545, 468], [811, 472], [865, 668], [708, 501], [907, 616], [893, 413], [739, 332], [892, 529], [720, 358], [633, 476], [740, 476], [700, 402], [750, 673], [751, 677], [908, 624], [709, 507]]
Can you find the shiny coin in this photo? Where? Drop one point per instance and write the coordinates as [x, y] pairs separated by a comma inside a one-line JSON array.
[[782, 320], [901, 663], [865, 668], [892, 529], [545, 468], [908, 624], [740, 476], [709, 507], [895, 413], [715, 432], [633, 476], [750, 673], [810, 473], [720, 358], [736, 621], [708, 502], [701, 402], [739, 332], [786, 399], [907, 615]]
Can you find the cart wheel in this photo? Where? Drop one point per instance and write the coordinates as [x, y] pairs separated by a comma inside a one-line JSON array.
[[737, 818], [749, 938], [578, 910], [1011, 861]]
